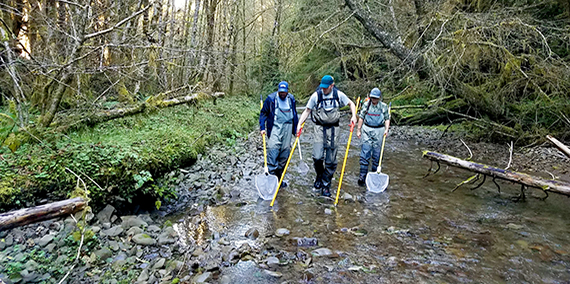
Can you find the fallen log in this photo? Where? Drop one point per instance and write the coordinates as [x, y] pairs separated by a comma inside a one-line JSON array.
[[559, 145], [63, 124], [40, 213], [516, 177]]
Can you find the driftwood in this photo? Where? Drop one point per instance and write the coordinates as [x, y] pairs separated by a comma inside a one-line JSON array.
[[559, 145], [497, 173], [40, 213]]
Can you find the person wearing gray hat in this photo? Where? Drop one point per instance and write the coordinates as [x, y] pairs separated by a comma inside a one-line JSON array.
[[375, 117], [323, 106]]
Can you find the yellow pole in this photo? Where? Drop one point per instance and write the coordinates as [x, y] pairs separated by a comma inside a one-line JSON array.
[[265, 154], [345, 156], [287, 165]]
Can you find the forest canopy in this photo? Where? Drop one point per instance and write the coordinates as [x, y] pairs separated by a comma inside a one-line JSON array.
[[476, 62]]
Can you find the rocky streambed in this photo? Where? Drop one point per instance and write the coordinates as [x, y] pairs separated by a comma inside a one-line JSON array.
[[218, 231]]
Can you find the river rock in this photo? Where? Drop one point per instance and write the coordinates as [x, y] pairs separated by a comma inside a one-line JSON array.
[[31, 265], [96, 229], [513, 226], [143, 276], [134, 231], [272, 262], [50, 247], [252, 234], [103, 253], [347, 196], [202, 278], [9, 240], [305, 242], [45, 240], [153, 229], [322, 252], [328, 211], [276, 274], [30, 277], [282, 232], [168, 236], [114, 245], [143, 239], [112, 232], [133, 221], [104, 216], [159, 264]]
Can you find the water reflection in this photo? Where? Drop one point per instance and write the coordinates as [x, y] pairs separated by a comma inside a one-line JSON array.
[[415, 231]]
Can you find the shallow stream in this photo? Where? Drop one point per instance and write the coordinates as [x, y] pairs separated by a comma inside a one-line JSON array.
[[415, 231]]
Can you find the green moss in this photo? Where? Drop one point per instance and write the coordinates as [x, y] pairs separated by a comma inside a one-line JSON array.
[[113, 153]]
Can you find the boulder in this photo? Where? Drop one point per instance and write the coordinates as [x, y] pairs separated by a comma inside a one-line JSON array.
[[143, 239], [103, 253], [104, 216], [45, 240], [112, 232], [133, 221]]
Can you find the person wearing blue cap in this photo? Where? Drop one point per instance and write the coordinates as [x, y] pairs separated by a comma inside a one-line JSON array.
[[278, 119], [323, 106], [375, 117]]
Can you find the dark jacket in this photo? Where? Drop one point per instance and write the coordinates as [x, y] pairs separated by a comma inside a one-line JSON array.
[[268, 113]]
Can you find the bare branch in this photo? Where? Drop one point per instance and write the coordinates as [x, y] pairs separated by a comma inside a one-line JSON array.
[[120, 23]]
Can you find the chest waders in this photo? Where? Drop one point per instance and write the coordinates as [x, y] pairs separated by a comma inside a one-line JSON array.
[[325, 147], [372, 134], [280, 141]]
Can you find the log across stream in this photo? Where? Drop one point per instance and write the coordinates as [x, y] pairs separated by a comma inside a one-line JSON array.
[[546, 185]]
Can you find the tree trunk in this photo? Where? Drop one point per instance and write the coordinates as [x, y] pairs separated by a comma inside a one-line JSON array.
[[40, 213], [413, 60], [555, 186]]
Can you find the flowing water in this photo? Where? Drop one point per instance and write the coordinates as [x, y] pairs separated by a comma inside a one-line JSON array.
[[415, 231]]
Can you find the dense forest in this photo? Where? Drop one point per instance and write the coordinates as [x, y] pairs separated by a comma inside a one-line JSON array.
[[499, 61], [497, 68]]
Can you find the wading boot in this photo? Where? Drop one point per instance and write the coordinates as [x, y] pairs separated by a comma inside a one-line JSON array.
[[362, 180], [318, 182], [279, 173], [326, 192], [319, 169]]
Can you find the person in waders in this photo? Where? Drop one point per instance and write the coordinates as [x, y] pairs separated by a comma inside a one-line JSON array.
[[375, 117], [323, 106], [278, 119]]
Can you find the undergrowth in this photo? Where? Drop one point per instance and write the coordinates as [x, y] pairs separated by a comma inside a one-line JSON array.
[[120, 157]]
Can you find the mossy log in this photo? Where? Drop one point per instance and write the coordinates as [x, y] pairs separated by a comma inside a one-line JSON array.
[[433, 115], [516, 177], [107, 115], [40, 213]]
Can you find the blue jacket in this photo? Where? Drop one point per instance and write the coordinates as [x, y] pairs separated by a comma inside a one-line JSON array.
[[268, 113]]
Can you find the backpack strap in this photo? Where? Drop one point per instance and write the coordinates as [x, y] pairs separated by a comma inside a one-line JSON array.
[[335, 97], [368, 107], [320, 98]]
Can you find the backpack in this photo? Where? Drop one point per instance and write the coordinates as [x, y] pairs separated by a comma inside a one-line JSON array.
[[326, 117]]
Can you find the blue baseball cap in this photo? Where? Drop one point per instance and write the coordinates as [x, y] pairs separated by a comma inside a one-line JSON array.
[[326, 81], [375, 93], [283, 87]]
